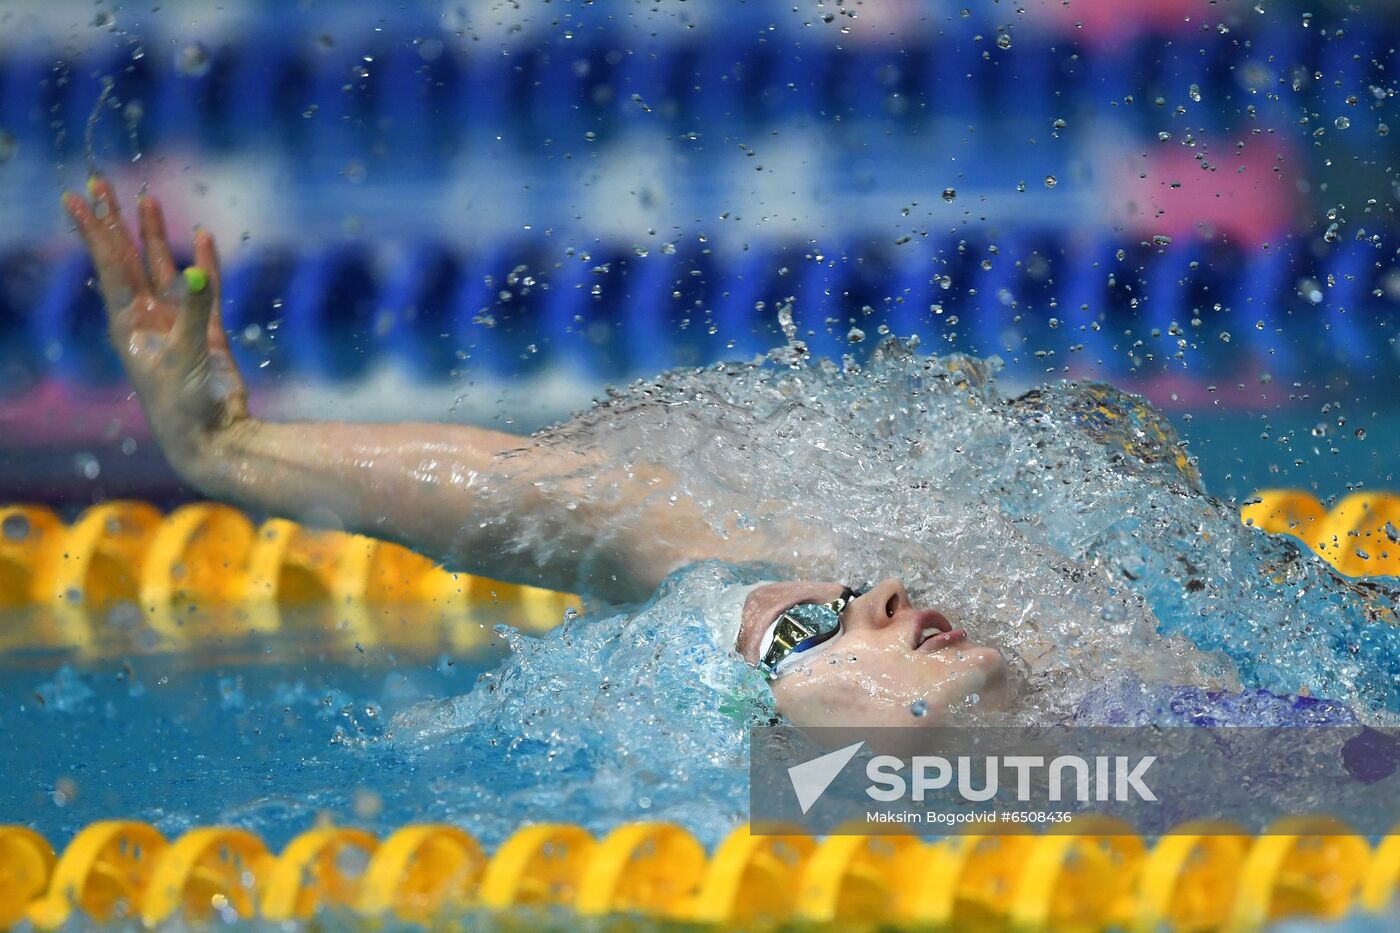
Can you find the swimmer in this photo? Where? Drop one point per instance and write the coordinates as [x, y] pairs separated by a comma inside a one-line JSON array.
[[467, 495]]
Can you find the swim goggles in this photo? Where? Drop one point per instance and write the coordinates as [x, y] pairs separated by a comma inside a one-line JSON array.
[[801, 628]]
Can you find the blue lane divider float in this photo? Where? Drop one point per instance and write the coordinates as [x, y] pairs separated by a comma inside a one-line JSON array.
[[1346, 279], [414, 318], [71, 328], [476, 331], [564, 308], [21, 284], [332, 312], [418, 93], [734, 300]]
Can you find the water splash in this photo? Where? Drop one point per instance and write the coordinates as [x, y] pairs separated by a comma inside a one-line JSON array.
[[601, 719], [1065, 526]]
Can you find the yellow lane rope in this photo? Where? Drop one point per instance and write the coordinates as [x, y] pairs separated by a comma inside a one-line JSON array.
[[205, 569], [1360, 536], [1201, 877], [209, 556]]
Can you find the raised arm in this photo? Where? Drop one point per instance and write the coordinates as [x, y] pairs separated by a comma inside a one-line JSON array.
[[480, 500]]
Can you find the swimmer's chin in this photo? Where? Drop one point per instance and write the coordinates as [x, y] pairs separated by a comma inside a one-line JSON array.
[[953, 686]]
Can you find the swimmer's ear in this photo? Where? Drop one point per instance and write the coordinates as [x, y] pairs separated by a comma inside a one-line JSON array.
[[190, 332]]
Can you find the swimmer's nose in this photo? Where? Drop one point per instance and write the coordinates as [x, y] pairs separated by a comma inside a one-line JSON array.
[[879, 607]]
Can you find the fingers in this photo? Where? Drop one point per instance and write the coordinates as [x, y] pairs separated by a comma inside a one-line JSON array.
[[124, 276], [206, 257], [189, 335], [120, 283], [119, 269], [107, 213], [154, 241]]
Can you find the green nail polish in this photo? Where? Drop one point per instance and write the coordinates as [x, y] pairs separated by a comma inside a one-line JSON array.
[[64, 198], [92, 185], [197, 279]]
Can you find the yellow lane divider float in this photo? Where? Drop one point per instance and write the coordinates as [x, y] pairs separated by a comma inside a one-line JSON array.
[[1203, 878], [1360, 536], [206, 569], [210, 559], [212, 554]]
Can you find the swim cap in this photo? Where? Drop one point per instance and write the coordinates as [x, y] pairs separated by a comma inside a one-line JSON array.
[[724, 612]]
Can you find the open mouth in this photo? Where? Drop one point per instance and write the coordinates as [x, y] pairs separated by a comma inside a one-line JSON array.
[[931, 631]]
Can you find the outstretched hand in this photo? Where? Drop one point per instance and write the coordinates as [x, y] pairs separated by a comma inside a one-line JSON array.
[[164, 324]]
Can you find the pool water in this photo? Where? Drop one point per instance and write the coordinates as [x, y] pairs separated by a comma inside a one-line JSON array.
[[266, 734]]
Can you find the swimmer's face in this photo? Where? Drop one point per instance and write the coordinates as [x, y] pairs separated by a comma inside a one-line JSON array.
[[889, 661]]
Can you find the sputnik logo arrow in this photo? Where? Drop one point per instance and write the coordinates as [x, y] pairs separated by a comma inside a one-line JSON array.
[[811, 778]]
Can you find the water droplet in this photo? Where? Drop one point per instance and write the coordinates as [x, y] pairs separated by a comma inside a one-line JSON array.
[[367, 803], [1059, 123], [1360, 434], [1195, 93], [949, 194], [64, 791], [104, 20], [590, 136], [786, 323], [855, 335], [1342, 123], [1004, 41], [430, 49], [87, 465], [193, 60], [15, 528], [919, 708], [1051, 181]]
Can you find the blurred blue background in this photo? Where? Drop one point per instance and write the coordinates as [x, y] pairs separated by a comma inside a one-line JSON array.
[[487, 211]]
